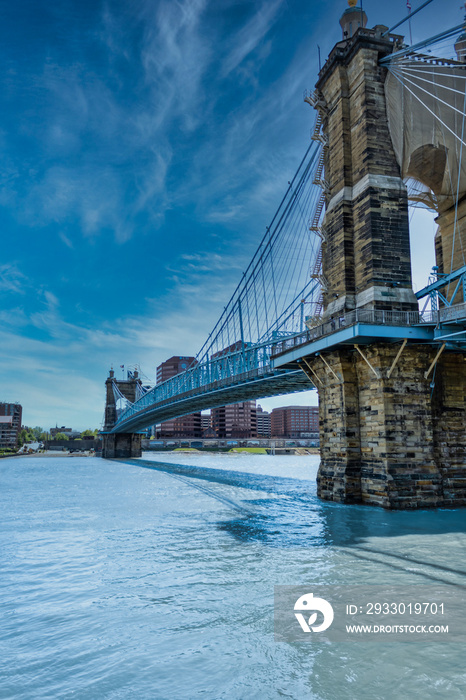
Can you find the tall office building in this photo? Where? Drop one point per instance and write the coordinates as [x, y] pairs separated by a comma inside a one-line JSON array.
[[11, 415], [174, 365], [264, 426], [206, 421], [187, 426], [236, 420]]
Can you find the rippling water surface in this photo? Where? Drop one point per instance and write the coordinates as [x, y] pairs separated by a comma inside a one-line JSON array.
[[153, 579]]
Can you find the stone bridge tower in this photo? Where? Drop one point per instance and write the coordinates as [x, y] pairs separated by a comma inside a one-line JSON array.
[[389, 437], [119, 445], [366, 255]]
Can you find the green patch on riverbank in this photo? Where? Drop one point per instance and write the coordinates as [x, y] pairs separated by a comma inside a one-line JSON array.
[[252, 450]]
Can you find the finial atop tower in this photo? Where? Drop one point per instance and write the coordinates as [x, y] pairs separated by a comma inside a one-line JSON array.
[[351, 19]]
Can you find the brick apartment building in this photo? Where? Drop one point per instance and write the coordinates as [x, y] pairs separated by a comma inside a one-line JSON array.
[[174, 365], [295, 422], [187, 426], [11, 415], [66, 431]]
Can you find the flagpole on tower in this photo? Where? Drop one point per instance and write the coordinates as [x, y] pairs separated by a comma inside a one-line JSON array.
[[408, 5]]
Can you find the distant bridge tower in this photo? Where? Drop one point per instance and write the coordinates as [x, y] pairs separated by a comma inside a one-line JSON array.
[[389, 437], [119, 445]]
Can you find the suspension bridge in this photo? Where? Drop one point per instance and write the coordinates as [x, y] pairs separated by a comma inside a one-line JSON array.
[[327, 300]]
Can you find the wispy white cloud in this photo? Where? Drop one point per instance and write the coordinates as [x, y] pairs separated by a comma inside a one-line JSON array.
[[124, 141], [175, 56], [12, 279], [195, 263], [63, 237], [91, 196], [251, 34]]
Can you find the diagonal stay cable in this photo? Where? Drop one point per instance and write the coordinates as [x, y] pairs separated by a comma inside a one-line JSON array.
[[455, 109], [426, 107], [266, 241]]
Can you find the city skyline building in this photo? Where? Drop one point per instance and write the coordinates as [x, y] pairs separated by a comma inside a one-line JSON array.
[[63, 429], [174, 365], [206, 420], [186, 426], [11, 415], [264, 422], [295, 422], [236, 420]]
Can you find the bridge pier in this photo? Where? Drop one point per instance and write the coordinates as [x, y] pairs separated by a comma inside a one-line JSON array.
[[121, 445], [389, 440], [392, 441], [449, 421]]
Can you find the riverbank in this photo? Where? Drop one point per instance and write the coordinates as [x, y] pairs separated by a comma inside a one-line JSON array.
[[226, 444], [240, 450], [51, 453]]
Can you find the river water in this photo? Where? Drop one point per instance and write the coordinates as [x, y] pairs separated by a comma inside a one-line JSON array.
[[153, 579]]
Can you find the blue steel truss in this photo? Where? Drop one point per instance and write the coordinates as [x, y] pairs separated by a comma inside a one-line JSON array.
[[235, 376], [438, 281]]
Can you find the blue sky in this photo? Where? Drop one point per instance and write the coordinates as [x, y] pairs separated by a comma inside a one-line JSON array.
[[145, 146]]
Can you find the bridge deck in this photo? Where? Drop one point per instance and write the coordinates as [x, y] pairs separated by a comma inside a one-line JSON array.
[[282, 374], [368, 326], [250, 385]]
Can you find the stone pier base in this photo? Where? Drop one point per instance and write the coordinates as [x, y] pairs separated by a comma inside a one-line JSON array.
[[121, 445], [395, 441]]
